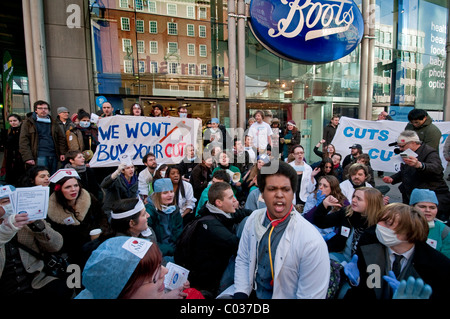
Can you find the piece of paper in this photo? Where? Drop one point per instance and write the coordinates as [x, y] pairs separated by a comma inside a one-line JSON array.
[[32, 200], [176, 276], [410, 152]]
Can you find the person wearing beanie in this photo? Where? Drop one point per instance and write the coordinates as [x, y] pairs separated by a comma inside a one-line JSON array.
[[422, 171], [165, 217], [426, 201]]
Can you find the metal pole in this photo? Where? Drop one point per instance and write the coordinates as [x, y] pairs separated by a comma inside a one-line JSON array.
[[446, 105], [232, 61], [241, 59], [370, 59], [363, 63], [29, 49]]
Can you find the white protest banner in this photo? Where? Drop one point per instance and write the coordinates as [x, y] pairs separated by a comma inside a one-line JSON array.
[[135, 136], [375, 137]]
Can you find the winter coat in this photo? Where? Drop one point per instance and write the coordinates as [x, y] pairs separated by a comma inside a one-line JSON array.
[[428, 133]]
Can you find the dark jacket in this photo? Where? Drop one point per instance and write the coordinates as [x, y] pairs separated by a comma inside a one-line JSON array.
[[328, 133], [200, 177], [427, 263], [323, 219], [214, 243], [116, 189], [29, 139], [430, 177], [428, 133]]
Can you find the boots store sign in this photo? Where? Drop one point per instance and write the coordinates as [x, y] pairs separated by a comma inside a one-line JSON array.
[[307, 31]]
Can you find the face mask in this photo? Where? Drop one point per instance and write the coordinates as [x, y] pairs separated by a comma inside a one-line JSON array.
[[85, 124], [183, 114], [387, 236], [163, 174], [168, 209]]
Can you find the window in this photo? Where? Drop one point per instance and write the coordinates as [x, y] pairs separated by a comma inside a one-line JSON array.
[[202, 31], [202, 50], [153, 67], [126, 44], [192, 69], [153, 47], [140, 26], [172, 28], [191, 88], [125, 23], [140, 46], [173, 67], [202, 13], [172, 47], [190, 12], [174, 87], [141, 66], [139, 5], [128, 66], [124, 3], [153, 27], [203, 69], [152, 6], [190, 30], [191, 49], [171, 9]]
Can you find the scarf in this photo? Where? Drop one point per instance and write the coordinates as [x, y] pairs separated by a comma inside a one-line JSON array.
[[214, 210]]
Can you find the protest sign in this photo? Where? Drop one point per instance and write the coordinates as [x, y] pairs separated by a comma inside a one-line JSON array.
[[135, 136], [375, 137]]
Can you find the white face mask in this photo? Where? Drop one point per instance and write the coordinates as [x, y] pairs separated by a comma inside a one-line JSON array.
[[85, 124], [183, 114], [387, 236]]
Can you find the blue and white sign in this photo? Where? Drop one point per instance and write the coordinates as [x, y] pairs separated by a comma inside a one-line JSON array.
[[311, 31]]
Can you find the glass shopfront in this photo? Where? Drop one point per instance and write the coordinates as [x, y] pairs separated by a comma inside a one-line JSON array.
[[176, 53]]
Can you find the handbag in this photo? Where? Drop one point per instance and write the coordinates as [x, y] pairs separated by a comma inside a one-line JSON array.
[[55, 265]]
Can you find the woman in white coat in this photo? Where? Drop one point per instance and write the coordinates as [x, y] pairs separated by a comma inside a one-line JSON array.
[[306, 182]]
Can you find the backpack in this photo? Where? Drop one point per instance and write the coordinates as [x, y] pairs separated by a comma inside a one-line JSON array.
[[184, 244]]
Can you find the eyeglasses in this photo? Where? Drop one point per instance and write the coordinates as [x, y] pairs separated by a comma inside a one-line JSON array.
[[299, 153], [42, 108]]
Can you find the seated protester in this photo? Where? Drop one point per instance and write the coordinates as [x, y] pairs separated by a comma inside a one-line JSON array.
[[22, 274], [34, 176], [145, 176], [249, 182], [184, 193], [76, 161], [128, 218], [396, 244], [188, 163], [349, 222], [122, 183], [201, 175], [161, 172], [220, 175], [327, 185], [365, 159], [73, 212], [324, 168], [224, 163], [336, 158], [116, 270], [215, 241], [254, 200], [426, 201], [358, 174], [241, 157], [165, 218]]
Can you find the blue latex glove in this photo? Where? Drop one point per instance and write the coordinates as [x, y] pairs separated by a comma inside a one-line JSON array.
[[320, 197], [392, 281], [352, 271], [413, 289]]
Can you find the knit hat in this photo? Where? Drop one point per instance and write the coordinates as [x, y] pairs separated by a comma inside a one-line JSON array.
[[62, 109], [404, 138], [162, 185], [111, 265], [423, 195], [291, 122]]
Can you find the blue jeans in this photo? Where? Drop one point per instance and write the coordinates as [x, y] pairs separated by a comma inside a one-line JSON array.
[[51, 162]]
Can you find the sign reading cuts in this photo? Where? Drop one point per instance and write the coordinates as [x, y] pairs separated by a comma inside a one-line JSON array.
[[307, 31]]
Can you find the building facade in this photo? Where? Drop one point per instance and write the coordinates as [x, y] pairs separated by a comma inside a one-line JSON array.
[[176, 53]]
